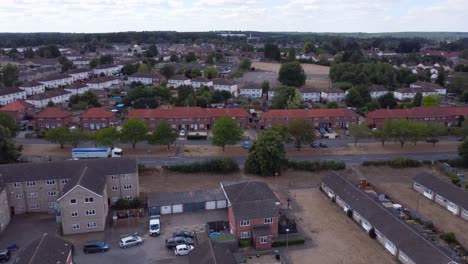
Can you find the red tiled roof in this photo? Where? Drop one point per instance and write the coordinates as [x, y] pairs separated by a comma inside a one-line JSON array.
[[16, 106], [97, 112], [53, 112], [176, 112], [302, 113], [220, 112], [418, 112]]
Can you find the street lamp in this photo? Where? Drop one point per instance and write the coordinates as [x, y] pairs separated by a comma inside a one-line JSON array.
[[287, 241], [128, 221], [276, 176]]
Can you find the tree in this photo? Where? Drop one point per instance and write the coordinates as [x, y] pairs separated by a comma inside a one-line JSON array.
[[399, 129], [283, 131], [9, 75], [195, 72], [295, 102], [9, 122], [332, 105], [129, 69], [9, 152], [417, 100], [226, 131], [431, 100], [245, 64], [387, 101], [282, 96], [151, 52], [190, 57], [143, 68], [133, 131], [441, 76], [167, 70], [292, 73], [50, 51], [354, 99], [174, 58], [359, 131], [185, 96], [57, 135], [75, 137], [434, 131], [463, 152], [66, 64], [265, 87], [163, 134], [267, 155], [106, 59], [271, 52], [108, 136], [211, 72], [93, 63], [301, 131], [29, 53], [380, 135], [292, 54]]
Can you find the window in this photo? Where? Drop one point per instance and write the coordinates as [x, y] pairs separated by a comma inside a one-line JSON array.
[[72, 201], [268, 220], [19, 207], [90, 212], [114, 188], [128, 197], [32, 195], [50, 182], [74, 214], [52, 193], [89, 200], [127, 187], [263, 240], [31, 183], [245, 235], [52, 205], [126, 177], [245, 223], [115, 199], [76, 227], [64, 181], [33, 206], [92, 225], [19, 196], [114, 177], [17, 184]]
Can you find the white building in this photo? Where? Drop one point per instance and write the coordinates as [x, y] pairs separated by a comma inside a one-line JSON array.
[[79, 74], [32, 88], [199, 81], [107, 69], [178, 80], [310, 95], [250, 90], [332, 95], [9, 95], [56, 80], [82, 61], [77, 88], [225, 85], [409, 93], [55, 96], [427, 85], [146, 78], [377, 91], [271, 94], [102, 82]]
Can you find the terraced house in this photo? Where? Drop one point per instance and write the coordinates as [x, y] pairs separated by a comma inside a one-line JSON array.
[[78, 191]]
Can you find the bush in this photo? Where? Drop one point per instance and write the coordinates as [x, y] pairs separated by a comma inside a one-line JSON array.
[[245, 243], [455, 180], [282, 242], [394, 163], [123, 204], [449, 238], [141, 166], [316, 165], [466, 187], [214, 165]]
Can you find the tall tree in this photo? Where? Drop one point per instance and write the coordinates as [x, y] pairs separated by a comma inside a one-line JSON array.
[[167, 70], [9, 152], [163, 134], [226, 131], [292, 54], [359, 131], [282, 96], [434, 131], [292, 73], [58, 135], [463, 152], [272, 52], [210, 72], [387, 101], [265, 87], [75, 137], [417, 100], [9, 122], [441, 76], [295, 102], [354, 99], [108, 136], [267, 155], [133, 131], [190, 57], [301, 131], [245, 64], [195, 72], [9, 75]]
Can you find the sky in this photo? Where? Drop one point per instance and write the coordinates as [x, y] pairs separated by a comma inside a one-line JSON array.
[[253, 15]]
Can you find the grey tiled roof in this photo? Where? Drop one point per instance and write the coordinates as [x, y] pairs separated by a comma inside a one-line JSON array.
[[444, 188], [160, 199], [405, 239], [47, 249], [212, 252], [262, 231]]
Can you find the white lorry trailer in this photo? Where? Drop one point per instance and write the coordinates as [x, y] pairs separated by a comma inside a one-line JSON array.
[[91, 153]]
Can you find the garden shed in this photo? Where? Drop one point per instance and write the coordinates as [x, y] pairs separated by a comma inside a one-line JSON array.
[[179, 202]]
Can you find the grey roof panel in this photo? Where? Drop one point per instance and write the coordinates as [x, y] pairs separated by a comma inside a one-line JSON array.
[[160, 199]]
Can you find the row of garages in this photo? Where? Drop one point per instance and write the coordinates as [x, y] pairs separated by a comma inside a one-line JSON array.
[[179, 202]]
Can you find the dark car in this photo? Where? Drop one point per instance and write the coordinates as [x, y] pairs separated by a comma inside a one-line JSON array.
[[322, 145], [432, 140], [4, 255], [314, 145], [173, 242], [183, 234], [95, 246]]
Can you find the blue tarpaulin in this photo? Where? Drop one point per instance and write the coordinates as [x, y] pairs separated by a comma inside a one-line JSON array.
[[120, 105], [117, 98]]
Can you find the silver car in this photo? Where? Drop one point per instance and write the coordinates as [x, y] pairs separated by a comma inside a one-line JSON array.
[[130, 241]]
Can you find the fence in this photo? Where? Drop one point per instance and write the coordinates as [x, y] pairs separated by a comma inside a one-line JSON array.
[[127, 218]]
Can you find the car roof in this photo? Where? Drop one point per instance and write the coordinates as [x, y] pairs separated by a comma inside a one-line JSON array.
[[128, 238], [181, 246], [94, 243]]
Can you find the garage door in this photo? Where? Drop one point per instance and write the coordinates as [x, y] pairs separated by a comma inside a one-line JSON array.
[[155, 210], [221, 204], [210, 205], [188, 207], [177, 208], [166, 209]]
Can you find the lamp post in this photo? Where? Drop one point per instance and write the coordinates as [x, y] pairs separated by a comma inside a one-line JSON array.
[[276, 176], [128, 222], [287, 241]]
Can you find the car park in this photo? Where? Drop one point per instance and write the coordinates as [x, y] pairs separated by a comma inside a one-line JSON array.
[[4, 255], [130, 241], [95, 246], [182, 250], [175, 241], [183, 233]]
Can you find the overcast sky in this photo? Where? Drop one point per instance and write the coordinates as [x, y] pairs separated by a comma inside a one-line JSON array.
[[257, 15]]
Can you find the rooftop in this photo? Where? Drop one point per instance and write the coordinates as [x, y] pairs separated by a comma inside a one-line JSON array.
[[97, 112], [16, 106], [309, 113], [10, 90], [53, 112]]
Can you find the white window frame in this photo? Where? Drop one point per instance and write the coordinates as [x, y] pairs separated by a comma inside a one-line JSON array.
[[126, 177], [115, 199], [89, 199], [19, 207], [127, 187], [32, 195], [129, 197], [30, 183], [92, 225], [17, 184], [74, 213], [115, 188], [71, 201], [244, 223], [76, 226], [64, 181], [19, 196], [114, 177], [91, 212], [50, 182], [34, 206], [245, 235], [52, 205], [403, 256], [268, 220], [52, 193], [263, 239]]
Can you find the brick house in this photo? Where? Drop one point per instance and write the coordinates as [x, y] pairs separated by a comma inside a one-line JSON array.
[[335, 118], [80, 191], [146, 78], [46, 249], [32, 88], [238, 114], [449, 116], [253, 211], [96, 118], [443, 193], [52, 117], [8, 95], [399, 239], [18, 109]]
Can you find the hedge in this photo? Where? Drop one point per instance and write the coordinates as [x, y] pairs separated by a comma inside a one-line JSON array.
[[196, 137], [316, 165], [213, 165], [394, 163], [245, 243], [282, 242]]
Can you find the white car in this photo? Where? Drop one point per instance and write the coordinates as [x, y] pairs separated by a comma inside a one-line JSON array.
[[130, 241], [182, 250], [182, 133]]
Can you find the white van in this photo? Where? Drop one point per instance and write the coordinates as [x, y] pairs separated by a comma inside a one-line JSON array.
[[155, 225]]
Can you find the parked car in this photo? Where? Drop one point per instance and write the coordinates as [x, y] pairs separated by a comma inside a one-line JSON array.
[[432, 140], [329, 129], [130, 241], [95, 246], [182, 133], [181, 250], [246, 144], [323, 145], [183, 234], [175, 241], [4, 255], [154, 226], [298, 146], [347, 133], [315, 145]]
